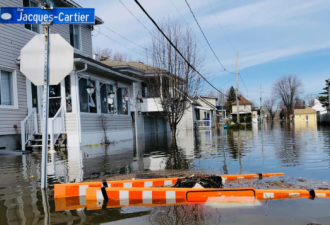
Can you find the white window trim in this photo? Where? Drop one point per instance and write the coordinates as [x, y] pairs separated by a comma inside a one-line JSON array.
[[129, 105], [39, 26], [114, 100], [14, 75]]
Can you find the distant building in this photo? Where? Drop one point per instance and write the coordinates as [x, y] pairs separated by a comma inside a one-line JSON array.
[[305, 115], [245, 109]]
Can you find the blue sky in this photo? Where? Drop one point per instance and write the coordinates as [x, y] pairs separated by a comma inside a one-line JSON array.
[[272, 37]]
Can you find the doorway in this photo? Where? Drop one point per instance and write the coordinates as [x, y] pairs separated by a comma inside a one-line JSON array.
[[55, 99]]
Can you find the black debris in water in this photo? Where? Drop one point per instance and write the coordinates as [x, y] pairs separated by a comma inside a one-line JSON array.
[[205, 181]]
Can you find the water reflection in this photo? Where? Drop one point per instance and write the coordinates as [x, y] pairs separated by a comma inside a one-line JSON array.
[[301, 150]]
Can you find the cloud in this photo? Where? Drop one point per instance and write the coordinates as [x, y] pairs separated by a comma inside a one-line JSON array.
[[266, 13]]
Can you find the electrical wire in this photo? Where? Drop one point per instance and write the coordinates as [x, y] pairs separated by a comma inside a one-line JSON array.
[[221, 27], [122, 44], [176, 49], [176, 8], [125, 38], [135, 17], [206, 38], [247, 92], [228, 40]]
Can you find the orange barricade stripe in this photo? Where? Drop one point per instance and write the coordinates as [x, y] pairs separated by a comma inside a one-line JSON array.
[[79, 189]]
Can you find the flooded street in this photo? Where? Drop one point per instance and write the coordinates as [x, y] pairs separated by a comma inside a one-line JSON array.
[[298, 151]]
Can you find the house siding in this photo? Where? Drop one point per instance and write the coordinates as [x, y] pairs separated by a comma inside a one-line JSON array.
[[13, 37], [91, 122], [71, 123], [187, 121]]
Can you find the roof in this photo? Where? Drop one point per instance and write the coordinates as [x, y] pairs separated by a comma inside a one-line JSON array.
[[207, 102], [102, 67], [137, 65], [243, 101], [308, 110]]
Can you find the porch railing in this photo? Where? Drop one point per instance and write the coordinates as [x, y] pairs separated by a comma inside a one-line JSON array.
[[29, 126], [57, 126], [203, 123]]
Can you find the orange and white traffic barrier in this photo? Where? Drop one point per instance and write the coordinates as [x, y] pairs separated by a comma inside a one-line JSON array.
[[278, 194], [150, 197], [79, 189]]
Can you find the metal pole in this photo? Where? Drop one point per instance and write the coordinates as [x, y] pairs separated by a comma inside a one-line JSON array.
[[261, 105], [45, 113], [222, 114], [237, 100]]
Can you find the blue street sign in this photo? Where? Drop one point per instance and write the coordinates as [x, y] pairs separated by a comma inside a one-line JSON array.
[[31, 15]]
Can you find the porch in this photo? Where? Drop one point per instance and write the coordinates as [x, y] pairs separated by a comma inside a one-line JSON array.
[[77, 104]]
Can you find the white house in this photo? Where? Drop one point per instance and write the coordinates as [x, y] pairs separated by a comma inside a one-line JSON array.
[[76, 104]]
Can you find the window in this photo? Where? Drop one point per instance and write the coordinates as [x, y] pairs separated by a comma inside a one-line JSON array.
[[144, 90], [75, 36], [68, 99], [198, 116], [244, 106], [122, 104], [33, 27], [6, 88], [107, 98], [87, 101]]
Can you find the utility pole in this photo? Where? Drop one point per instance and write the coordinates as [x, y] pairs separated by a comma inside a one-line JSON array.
[[237, 95], [261, 105]]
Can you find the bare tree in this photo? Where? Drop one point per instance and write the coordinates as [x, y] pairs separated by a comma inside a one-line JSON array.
[[272, 107], [107, 53], [103, 52], [222, 99], [310, 99], [120, 57], [172, 80], [104, 122], [287, 89]]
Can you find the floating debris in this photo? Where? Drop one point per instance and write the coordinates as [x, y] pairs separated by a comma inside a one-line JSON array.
[[204, 181]]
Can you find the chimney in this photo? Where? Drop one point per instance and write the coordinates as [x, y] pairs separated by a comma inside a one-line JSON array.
[[95, 57]]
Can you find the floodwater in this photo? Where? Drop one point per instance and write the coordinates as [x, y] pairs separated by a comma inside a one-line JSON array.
[[297, 150]]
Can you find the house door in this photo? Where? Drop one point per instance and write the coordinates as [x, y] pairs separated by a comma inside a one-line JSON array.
[[55, 99], [306, 118], [34, 90]]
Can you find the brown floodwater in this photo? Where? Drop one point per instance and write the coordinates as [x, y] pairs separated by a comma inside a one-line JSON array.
[[301, 151]]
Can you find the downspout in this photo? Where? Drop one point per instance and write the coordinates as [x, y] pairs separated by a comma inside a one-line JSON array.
[[78, 101]]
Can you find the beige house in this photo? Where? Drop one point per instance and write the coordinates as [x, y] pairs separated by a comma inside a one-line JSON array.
[[245, 109]]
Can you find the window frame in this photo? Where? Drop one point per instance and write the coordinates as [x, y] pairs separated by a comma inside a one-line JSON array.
[[14, 88], [95, 92], [79, 35], [102, 83], [128, 103], [30, 30]]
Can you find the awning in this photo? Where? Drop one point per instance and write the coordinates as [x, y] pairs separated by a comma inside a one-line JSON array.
[[241, 113]]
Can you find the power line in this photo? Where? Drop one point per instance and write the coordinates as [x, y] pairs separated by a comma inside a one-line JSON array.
[[221, 27], [206, 38], [135, 17], [176, 8], [125, 38], [176, 49], [122, 44], [244, 84], [224, 33]]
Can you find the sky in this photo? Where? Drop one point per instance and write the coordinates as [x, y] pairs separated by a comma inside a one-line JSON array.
[[272, 38]]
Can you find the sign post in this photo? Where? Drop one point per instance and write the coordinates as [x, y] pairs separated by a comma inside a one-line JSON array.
[[45, 111], [49, 61]]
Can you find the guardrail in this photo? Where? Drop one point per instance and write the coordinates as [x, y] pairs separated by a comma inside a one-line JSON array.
[[57, 126], [29, 126]]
